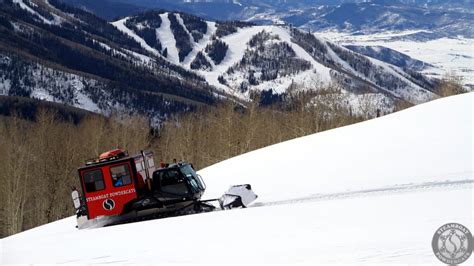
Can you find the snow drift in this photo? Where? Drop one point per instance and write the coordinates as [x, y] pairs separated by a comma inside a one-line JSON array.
[[374, 192]]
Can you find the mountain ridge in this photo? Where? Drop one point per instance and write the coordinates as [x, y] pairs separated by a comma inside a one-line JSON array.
[[159, 62], [447, 18], [237, 44]]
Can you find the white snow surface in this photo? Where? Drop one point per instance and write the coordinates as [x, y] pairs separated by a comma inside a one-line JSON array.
[[373, 192], [167, 39], [428, 143]]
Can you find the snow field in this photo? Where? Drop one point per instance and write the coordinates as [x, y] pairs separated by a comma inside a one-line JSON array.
[[391, 150], [374, 192]]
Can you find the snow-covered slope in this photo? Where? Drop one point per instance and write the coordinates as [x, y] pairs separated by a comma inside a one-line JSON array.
[[374, 192], [428, 143]]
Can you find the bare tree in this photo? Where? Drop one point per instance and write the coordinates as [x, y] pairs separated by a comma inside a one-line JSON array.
[[450, 84]]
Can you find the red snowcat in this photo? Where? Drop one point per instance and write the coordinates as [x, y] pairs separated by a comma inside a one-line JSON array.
[[119, 188]]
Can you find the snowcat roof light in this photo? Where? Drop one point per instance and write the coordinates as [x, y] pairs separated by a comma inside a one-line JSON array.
[[108, 156]]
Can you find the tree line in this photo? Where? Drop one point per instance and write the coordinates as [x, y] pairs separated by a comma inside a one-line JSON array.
[[39, 161]]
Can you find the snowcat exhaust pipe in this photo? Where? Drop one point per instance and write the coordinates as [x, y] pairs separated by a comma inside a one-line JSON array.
[[147, 174]]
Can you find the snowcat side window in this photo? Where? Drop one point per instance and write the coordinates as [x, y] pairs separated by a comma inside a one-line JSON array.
[[93, 180], [120, 175], [172, 182]]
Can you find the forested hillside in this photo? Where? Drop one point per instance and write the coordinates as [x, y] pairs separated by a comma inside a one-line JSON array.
[[55, 52]]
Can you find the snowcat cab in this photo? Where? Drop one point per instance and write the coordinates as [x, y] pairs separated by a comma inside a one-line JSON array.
[[178, 180], [118, 188], [113, 180]]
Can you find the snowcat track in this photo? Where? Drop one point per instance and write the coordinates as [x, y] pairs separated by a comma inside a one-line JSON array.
[[202, 205]]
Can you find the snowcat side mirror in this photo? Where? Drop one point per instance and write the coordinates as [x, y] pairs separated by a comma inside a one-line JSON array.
[[202, 182]]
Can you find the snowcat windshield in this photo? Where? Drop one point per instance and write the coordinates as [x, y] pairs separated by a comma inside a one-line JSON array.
[[192, 177]]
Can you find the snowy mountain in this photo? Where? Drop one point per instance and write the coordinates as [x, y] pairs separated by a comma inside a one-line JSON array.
[[159, 63], [440, 56], [390, 56], [379, 16], [342, 196], [445, 18], [239, 58]]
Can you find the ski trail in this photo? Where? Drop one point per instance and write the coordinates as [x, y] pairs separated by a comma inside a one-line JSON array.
[[285, 36], [34, 12], [167, 38], [181, 22], [237, 43], [120, 25], [406, 188], [201, 45]]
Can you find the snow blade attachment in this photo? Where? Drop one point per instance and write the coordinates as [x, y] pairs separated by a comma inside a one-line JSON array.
[[237, 196]]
